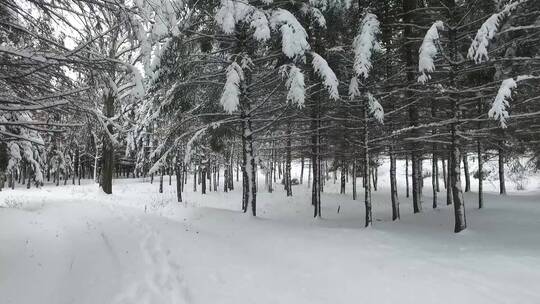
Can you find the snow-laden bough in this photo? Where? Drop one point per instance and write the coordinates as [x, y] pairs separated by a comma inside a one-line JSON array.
[[428, 52]]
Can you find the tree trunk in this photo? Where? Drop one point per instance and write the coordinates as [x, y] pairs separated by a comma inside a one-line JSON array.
[[367, 192], [459, 203], [445, 176], [407, 175], [302, 171], [161, 181], [195, 179], [449, 197], [467, 174], [354, 179], [108, 148], [342, 188], [202, 179], [416, 176], [434, 177], [502, 186], [288, 181], [480, 176], [179, 180], [393, 186]]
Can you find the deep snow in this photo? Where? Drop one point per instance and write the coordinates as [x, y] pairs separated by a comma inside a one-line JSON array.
[[73, 244]]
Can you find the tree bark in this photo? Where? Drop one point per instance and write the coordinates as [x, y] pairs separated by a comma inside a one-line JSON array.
[[467, 174], [179, 180], [480, 175], [393, 186], [108, 149], [367, 192], [502, 186], [434, 178], [407, 175]]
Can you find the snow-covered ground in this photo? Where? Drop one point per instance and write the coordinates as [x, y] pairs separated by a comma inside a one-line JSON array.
[[73, 244]]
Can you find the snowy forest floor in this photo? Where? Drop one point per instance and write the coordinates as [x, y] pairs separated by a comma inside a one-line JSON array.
[[73, 244]]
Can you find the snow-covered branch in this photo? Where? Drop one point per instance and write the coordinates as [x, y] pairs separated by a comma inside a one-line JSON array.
[[428, 51], [499, 106], [325, 72], [364, 44], [478, 49]]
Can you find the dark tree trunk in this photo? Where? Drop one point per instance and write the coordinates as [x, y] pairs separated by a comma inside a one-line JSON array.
[[108, 148], [459, 203], [467, 174], [375, 177], [393, 186], [302, 171], [367, 192], [434, 177], [480, 176], [203, 179], [316, 164], [288, 182], [179, 180], [502, 186], [407, 175], [449, 196], [342, 188], [161, 181], [195, 179], [354, 179]]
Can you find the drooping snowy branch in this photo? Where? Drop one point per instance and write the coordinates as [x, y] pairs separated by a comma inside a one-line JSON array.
[[365, 43], [325, 72], [232, 12], [428, 51], [354, 88], [375, 108], [293, 35], [231, 92], [499, 106], [295, 84], [259, 23], [315, 13], [478, 49]]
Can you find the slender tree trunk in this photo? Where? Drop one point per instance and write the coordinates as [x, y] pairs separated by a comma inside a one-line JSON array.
[[480, 175], [108, 149], [393, 186], [195, 179], [375, 177], [179, 180], [202, 178], [354, 179], [161, 181], [434, 177], [342, 188], [416, 173], [459, 203], [502, 186], [288, 181], [302, 171], [28, 173], [445, 176], [367, 192], [449, 195], [309, 174], [315, 141], [407, 175], [467, 174]]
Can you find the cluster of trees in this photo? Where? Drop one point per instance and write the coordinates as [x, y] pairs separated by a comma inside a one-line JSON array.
[[98, 88]]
